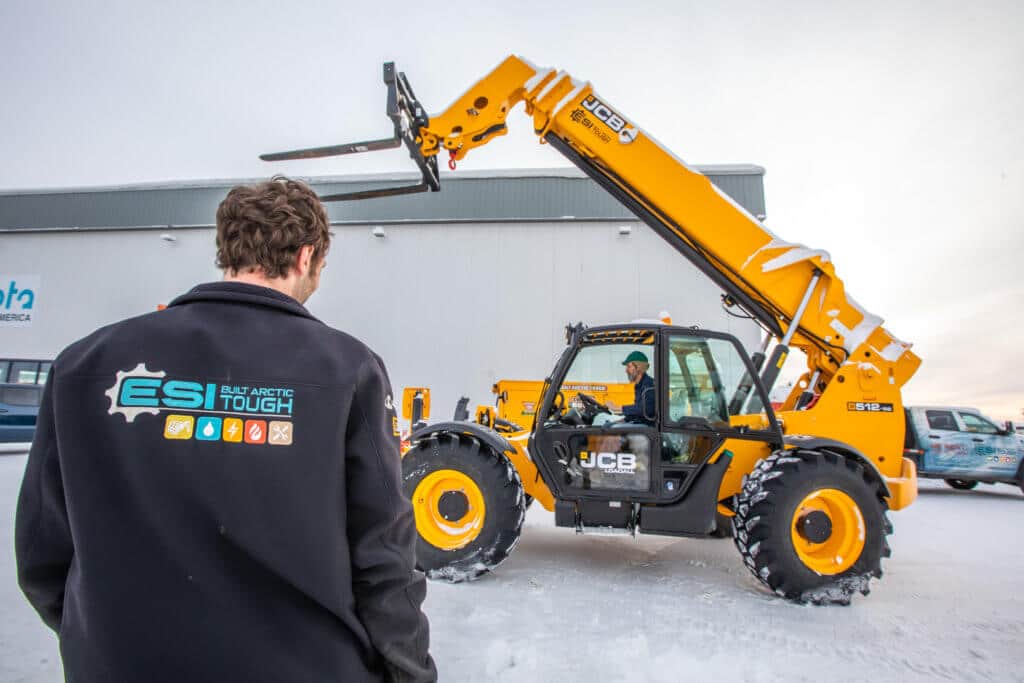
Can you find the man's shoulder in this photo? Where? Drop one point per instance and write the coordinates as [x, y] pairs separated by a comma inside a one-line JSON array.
[[349, 345], [104, 338]]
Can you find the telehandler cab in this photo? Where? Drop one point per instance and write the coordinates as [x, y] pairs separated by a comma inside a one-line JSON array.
[[807, 488]]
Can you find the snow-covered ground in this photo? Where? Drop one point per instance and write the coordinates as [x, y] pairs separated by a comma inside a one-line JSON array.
[[596, 608]]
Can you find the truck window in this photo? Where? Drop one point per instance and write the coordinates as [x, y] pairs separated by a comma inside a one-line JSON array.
[[978, 425], [941, 419], [703, 373], [23, 372]]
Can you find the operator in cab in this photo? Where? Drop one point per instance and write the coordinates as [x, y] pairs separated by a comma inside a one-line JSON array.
[[637, 365]]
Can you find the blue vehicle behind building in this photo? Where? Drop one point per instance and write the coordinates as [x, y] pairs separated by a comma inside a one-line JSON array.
[[21, 390], [963, 447], [19, 406]]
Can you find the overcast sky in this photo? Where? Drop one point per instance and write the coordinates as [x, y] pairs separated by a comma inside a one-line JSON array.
[[891, 131]]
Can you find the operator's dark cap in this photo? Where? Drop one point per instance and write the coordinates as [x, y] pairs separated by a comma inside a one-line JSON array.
[[636, 357]]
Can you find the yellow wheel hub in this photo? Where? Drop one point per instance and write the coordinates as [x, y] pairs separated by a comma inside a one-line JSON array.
[[828, 531], [449, 509]]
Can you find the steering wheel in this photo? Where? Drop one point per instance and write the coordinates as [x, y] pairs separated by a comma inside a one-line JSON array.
[[591, 406]]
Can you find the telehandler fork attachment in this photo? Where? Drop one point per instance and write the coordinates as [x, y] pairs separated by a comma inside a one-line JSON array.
[[408, 117]]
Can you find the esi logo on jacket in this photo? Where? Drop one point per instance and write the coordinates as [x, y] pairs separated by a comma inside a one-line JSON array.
[[205, 411]]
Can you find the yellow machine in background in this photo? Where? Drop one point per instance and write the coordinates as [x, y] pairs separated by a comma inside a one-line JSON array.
[[809, 486], [517, 400]]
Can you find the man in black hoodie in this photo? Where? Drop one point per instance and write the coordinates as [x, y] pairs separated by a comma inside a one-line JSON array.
[[214, 490]]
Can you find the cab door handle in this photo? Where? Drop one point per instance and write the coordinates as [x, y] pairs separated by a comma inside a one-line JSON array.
[[978, 440], [933, 436]]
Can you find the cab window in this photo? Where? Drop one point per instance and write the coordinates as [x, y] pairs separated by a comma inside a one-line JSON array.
[[23, 372], [941, 419], [977, 425], [599, 371], [703, 376], [603, 363]]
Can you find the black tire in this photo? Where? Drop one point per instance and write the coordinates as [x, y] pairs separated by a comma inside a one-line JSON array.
[[961, 484], [723, 526], [503, 497], [765, 509]]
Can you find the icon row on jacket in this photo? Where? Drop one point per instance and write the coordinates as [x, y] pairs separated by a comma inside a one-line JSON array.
[[231, 429]]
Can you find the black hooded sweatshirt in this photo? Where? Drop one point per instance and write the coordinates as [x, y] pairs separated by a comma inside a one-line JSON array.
[[214, 494]]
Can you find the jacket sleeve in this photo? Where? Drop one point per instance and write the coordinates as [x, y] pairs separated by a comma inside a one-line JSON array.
[[42, 537], [382, 533]]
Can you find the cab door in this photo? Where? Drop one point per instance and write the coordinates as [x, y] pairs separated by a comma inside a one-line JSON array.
[[706, 377], [945, 450], [584, 451], [992, 453]]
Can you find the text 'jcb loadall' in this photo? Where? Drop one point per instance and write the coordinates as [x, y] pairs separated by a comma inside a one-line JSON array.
[[807, 487]]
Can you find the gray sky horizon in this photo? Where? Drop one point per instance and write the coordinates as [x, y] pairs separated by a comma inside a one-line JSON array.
[[890, 132]]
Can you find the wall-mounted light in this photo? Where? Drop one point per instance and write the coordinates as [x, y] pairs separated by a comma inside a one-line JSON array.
[[625, 229], [378, 231], [168, 237]]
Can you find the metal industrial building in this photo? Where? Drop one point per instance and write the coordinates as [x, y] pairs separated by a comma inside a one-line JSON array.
[[455, 289]]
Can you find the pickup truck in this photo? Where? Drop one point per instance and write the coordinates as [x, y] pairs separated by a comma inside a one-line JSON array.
[[963, 447], [19, 406]]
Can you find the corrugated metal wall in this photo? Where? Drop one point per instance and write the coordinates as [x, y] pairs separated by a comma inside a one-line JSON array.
[[451, 306], [530, 195]]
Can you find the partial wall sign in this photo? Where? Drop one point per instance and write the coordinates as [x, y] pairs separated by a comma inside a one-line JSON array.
[[19, 299]]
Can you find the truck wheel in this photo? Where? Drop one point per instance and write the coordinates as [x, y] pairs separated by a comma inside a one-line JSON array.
[[961, 484], [469, 506], [812, 526]]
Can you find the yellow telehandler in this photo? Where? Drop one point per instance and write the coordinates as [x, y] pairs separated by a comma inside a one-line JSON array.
[[808, 486]]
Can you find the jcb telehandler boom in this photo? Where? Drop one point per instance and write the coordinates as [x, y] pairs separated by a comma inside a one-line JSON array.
[[808, 488]]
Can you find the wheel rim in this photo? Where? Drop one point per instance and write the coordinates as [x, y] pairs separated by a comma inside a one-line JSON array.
[[449, 509], [830, 547]]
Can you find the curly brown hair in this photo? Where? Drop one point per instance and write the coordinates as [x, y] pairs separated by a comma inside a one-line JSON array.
[[263, 227]]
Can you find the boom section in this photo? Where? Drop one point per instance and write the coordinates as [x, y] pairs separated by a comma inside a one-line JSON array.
[[792, 290]]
